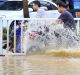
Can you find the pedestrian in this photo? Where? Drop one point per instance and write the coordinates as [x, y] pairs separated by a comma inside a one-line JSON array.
[[68, 30], [66, 16], [40, 11], [70, 6], [18, 37]]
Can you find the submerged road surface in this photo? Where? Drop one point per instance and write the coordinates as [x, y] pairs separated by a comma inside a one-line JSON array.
[[39, 65]]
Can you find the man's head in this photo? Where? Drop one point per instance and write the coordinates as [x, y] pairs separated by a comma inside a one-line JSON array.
[[36, 5], [61, 6]]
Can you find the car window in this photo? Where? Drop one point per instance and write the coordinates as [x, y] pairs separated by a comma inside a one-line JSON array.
[[49, 5], [11, 5]]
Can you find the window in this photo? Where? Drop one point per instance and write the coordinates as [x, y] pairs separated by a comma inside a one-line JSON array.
[[11, 5], [49, 5]]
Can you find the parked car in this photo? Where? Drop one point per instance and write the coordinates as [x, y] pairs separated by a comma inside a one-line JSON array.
[[14, 9]]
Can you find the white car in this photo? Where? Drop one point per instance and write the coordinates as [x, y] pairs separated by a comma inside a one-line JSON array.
[[14, 9]]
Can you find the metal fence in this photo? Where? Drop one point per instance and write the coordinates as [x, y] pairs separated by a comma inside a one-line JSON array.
[[12, 33]]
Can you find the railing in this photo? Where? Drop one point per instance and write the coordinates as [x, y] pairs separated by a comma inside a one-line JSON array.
[[9, 38]]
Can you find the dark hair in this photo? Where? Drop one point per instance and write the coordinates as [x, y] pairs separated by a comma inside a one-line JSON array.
[[37, 3], [61, 4]]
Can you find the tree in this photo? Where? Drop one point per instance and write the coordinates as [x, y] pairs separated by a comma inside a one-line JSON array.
[[25, 9]]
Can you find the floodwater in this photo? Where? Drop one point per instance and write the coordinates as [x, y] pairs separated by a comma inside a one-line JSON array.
[[43, 38], [39, 65]]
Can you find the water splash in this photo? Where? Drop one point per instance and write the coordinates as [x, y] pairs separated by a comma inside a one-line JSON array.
[[42, 36]]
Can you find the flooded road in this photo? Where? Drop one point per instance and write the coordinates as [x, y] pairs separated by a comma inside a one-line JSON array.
[[39, 65]]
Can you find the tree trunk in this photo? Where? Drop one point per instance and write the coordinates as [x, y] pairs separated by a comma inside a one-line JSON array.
[[25, 9]]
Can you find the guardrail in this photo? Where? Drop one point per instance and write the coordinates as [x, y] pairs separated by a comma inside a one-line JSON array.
[[10, 37]]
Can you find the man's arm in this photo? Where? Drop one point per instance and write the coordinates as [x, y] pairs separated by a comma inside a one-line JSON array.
[[56, 22]]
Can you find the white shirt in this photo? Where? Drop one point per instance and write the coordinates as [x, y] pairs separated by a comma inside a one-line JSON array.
[[41, 13]]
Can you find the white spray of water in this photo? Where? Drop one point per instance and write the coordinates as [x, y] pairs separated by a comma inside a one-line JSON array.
[[41, 36]]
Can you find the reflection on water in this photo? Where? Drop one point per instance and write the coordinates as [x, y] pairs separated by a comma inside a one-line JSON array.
[[39, 65]]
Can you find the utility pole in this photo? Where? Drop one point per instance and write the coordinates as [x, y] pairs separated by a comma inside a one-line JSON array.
[[25, 9]]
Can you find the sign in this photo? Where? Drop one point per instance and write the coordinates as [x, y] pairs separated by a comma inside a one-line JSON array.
[[76, 4]]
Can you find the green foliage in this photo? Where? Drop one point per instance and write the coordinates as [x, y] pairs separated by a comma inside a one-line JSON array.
[[4, 33]]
